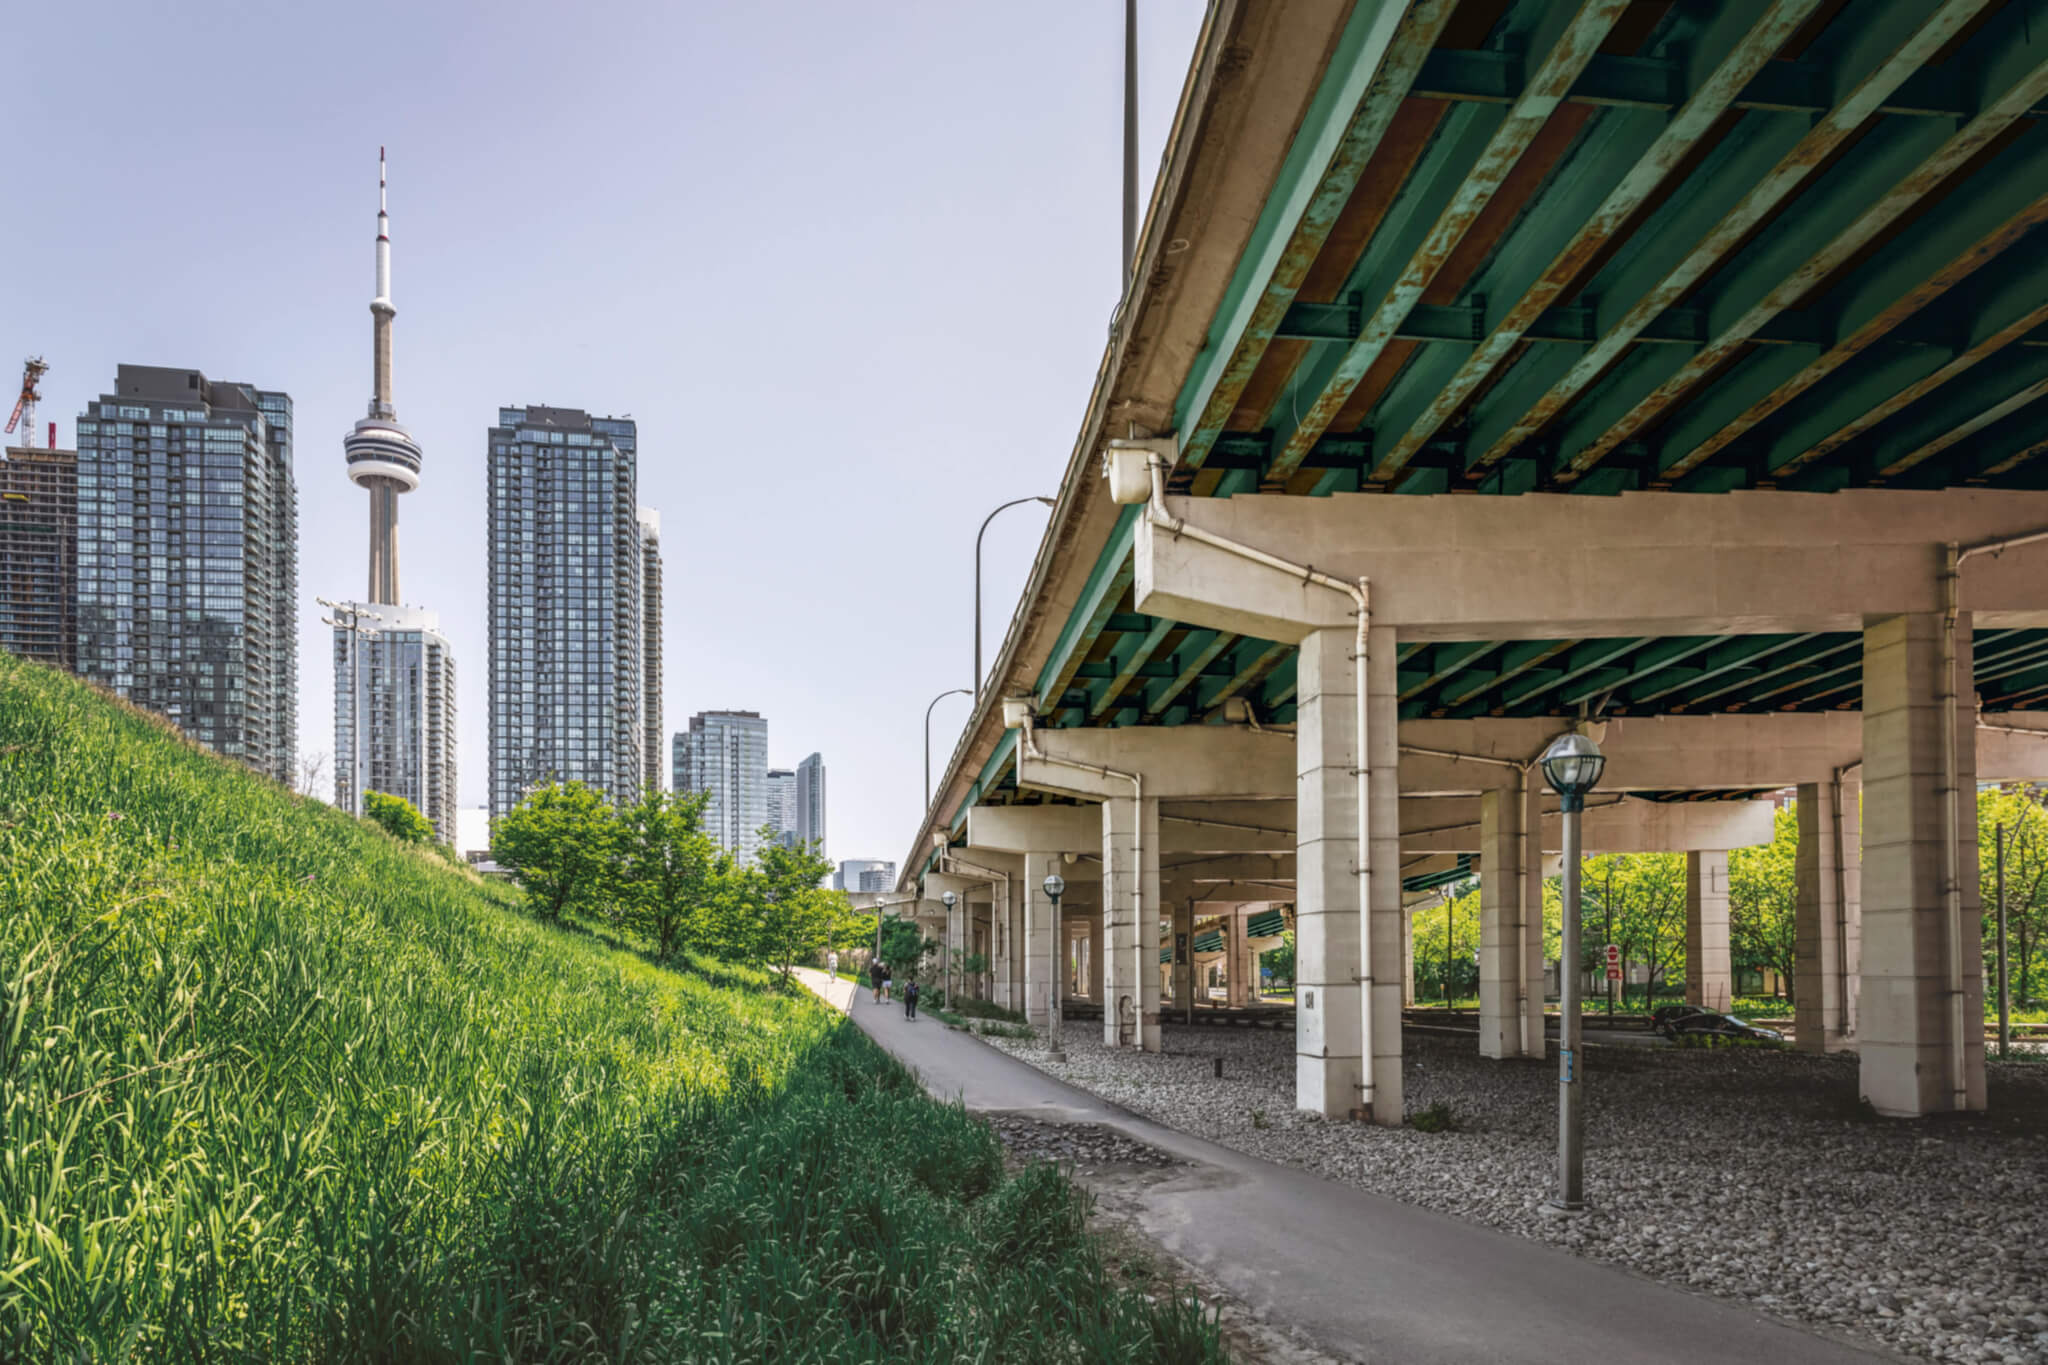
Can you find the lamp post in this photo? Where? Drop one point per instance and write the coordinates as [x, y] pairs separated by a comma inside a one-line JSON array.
[[1055, 887], [1571, 765], [1015, 502], [955, 692], [952, 953], [358, 724]]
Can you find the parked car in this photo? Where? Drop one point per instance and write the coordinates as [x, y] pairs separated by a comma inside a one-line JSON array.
[[1709, 1024], [1664, 1019]]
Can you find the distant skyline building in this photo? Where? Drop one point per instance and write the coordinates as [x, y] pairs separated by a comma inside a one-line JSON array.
[[810, 804], [650, 650], [865, 874], [568, 564], [782, 805], [188, 558], [39, 555], [394, 672], [725, 753]]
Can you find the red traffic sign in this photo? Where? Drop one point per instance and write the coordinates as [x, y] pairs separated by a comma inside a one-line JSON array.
[[1612, 952], [1614, 973]]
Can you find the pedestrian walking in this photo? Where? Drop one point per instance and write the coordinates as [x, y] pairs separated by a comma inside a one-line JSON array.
[[910, 1000], [888, 981], [832, 962], [875, 973]]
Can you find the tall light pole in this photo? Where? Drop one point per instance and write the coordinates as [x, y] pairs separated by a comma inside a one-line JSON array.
[[952, 953], [1130, 141], [1055, 887], [1016, 502], [955, 692], [1571, 765], [357, 632]]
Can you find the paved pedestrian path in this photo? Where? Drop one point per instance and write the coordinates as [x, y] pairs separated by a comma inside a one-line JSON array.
[[1366, 1277]]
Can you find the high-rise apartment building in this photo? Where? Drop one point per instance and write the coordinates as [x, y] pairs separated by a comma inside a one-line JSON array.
[[39, 555], [650, 650], [568, 563], [725, 753], [781, 786], [809, 823], [394, 674], [865, 874], [188, 558]]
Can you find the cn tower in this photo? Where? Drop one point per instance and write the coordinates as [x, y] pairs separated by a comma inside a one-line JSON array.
[[382, 455]]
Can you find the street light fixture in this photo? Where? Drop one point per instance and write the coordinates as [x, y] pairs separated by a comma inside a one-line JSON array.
[[1055, 887], [955, 692], [1572, 766], [951, 900], [1015, 502]]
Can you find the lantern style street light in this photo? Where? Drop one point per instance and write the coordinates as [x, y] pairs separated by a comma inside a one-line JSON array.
[[1571, 765], [951, 900], [1055, 887]]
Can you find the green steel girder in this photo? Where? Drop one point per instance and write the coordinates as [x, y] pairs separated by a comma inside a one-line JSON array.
[[1575, 325], [1924, 264], [1281, 685], [1134, 662], [1105, 587], [2009, 446], [1374, 63], [1582, 662], [1877, 187], [1800, 662], [1988, 394], [1472, 160], [1515, 660], [1738, 659], [1578, 215], [1196, 653], [1438, 662], [1653, 658], [1251, 661], [1710, 218], [1786, 86], [2002, 306]]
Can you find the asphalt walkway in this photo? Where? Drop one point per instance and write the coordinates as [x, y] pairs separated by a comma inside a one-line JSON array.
[[1364, 1276]]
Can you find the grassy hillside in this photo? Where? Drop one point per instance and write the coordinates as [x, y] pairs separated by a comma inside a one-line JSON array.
[[275, 1087]]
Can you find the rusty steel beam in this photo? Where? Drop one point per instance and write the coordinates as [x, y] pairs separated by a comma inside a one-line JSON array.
[[1562, 63], [1921, 444], [1606, 428], [1747, 47], [1885, 66], [1372, 88], [2007, 320], [1885, 313]]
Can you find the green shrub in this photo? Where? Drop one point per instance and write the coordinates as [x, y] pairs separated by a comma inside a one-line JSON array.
[[1434, 1118], [398, 818]]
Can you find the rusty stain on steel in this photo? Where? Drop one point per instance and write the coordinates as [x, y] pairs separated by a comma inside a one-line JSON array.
[[1792, 172], [1979, 254], [2014, 461], [1688, 126], [1419, 27], [1925, 179], [1546, 89], [1966, 428]]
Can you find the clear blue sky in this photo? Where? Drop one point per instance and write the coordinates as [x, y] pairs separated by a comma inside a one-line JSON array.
[[850, 267]]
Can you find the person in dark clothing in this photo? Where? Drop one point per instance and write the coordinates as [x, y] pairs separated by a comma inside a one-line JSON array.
[[888, 980], [876, 971], [910, 994]]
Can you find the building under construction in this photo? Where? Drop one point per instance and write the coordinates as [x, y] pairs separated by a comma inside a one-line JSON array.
[[39, 555]]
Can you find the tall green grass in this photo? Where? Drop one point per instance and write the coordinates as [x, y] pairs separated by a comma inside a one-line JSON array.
[[275, 1087]]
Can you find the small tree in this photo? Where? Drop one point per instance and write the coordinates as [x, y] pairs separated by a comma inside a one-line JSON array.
[[1763, 901], [905, 947], [666, 863], [796, 916], [560, 842], [399, 817]]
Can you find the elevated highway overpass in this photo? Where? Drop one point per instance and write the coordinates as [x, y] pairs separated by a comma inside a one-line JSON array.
[[1675, 370]]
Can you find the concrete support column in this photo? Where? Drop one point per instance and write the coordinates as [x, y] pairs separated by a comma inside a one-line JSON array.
[[1247, 962], [1329, 1067], [1093, 982], [1922, 950], [1037, 945], [1130, 917], [1183, 944], [1708, 980], [1849, 853], [1817, 1017], [1231, 927], [1510, 930], [1407, 957]]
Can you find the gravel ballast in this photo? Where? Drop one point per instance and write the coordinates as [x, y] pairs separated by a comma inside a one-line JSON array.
[[1755, 1176]]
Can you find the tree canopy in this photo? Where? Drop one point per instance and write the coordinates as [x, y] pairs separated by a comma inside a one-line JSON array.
[[398, 817]]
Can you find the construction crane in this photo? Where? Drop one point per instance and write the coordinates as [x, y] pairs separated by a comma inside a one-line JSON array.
[[32, 370]]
